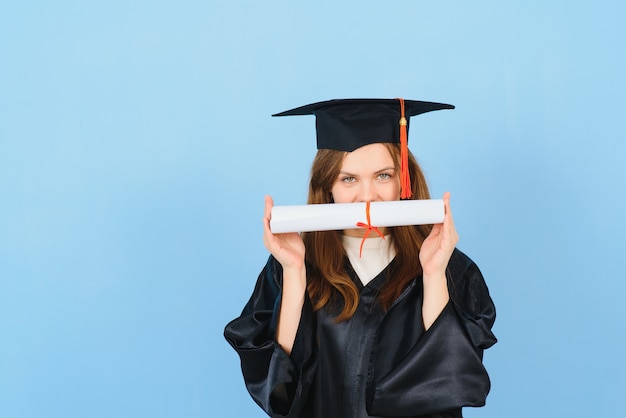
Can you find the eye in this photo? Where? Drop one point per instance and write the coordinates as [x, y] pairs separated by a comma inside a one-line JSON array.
[[348, 179], [384, 176]]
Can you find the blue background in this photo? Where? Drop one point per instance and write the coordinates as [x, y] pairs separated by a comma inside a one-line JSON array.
[[136, 146]]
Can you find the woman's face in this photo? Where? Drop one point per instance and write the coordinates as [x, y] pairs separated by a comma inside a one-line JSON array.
[[367, 174]]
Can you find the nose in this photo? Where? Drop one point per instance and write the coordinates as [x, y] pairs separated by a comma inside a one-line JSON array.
[[367, 192]]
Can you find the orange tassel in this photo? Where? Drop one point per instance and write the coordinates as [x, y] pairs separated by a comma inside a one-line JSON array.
[[405, 178]]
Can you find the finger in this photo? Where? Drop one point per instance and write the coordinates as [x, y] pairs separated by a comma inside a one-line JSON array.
[[435, 233], [268, 237], [269, 203], [267, 215], [447, 208], [448, 223], [447, 218], [446, 202]]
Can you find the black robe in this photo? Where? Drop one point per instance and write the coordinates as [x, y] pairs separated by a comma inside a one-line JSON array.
[[375, 364]]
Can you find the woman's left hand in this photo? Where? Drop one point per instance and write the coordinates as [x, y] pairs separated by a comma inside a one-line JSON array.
[[439, 245]]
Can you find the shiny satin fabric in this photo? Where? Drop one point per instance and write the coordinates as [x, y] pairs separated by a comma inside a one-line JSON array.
[[376, 364]]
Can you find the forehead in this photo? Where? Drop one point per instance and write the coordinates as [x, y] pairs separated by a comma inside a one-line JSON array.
[[372, 157]]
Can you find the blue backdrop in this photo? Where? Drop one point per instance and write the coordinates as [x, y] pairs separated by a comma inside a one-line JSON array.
[[136, 146]]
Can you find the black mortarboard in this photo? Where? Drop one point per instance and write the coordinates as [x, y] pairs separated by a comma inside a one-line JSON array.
[[348, 124]]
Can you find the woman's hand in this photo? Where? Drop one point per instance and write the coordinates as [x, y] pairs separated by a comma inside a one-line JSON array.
[[438, 246], [287, 248], [434, 257]]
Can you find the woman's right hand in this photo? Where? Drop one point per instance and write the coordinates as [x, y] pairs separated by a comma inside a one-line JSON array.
[[287, 248]]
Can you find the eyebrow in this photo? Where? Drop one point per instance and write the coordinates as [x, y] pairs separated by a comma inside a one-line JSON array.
[[385, 169], [346, 173]]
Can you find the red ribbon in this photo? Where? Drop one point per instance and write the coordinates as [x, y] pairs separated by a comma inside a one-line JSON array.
[[369, 228]]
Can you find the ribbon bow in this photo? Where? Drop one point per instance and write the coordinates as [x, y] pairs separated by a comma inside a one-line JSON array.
[[369, 228]]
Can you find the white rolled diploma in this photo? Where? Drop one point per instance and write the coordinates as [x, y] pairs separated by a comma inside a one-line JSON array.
[[338, 216]]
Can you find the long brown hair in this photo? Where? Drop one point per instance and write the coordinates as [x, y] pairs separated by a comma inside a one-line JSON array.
[[327, 276]]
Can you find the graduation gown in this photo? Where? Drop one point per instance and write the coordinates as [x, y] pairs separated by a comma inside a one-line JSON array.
[[376, 364]]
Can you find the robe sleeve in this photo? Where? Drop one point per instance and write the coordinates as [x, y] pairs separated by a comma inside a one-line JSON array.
[[277, 382], [470, 296], [419, 372]]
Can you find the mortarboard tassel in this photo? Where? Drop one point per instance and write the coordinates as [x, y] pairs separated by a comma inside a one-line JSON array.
[[405, 179]]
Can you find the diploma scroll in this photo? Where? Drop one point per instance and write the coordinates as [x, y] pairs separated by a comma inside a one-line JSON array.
[[337, 216]]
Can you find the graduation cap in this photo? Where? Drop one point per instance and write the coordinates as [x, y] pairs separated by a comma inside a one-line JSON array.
[[348, 124]]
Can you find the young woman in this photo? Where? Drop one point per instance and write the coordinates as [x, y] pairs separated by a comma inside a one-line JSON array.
[[345, 326]]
